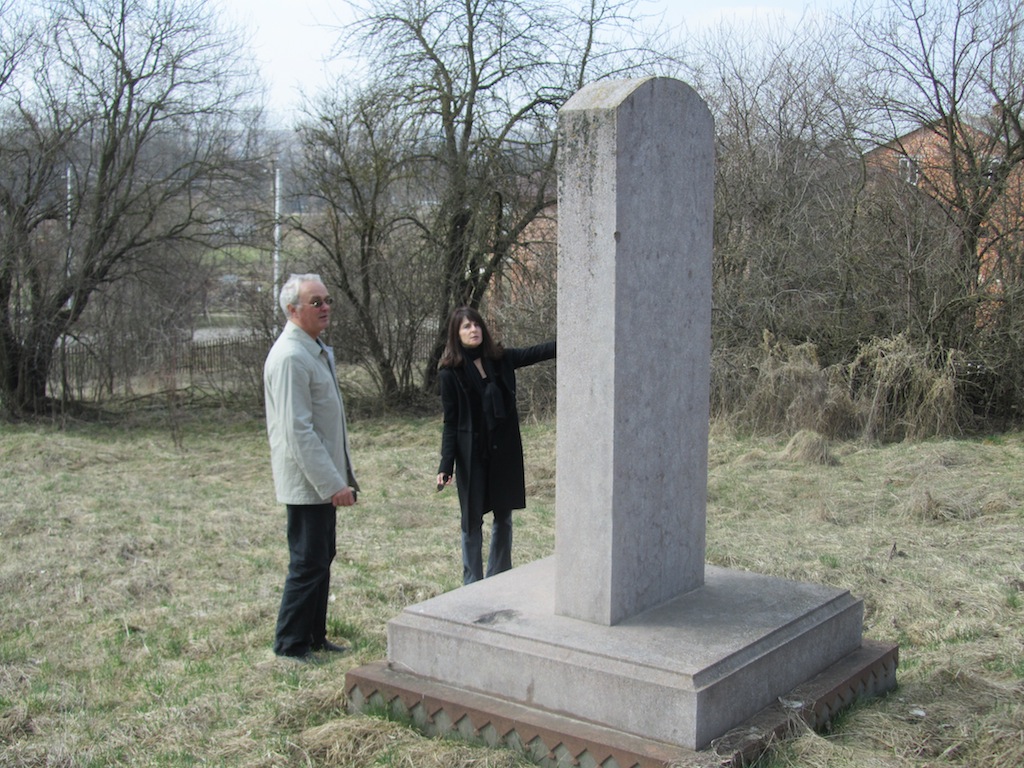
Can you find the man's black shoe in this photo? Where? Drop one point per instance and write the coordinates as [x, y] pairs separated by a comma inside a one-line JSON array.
[[329, 647]]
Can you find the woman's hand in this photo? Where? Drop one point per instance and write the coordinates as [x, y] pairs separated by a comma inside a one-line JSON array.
[[443, 480]]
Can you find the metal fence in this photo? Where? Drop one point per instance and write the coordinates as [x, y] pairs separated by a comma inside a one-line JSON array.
[[228, 368], [231, 364]]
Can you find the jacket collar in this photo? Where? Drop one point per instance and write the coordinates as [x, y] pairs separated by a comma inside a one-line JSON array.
[[296, 334]]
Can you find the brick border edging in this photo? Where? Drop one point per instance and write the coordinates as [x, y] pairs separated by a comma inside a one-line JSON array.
[[554, 739]]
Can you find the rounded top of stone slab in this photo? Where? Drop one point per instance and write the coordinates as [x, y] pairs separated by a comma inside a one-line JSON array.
[[610, 94]]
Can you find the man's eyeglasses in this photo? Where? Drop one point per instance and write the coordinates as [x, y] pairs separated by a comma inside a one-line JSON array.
[[317, 302]]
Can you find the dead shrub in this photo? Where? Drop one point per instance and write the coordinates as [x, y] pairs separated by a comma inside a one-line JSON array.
[[792, 392], [809, 447], [733, 377], [893, 390], [839, 417], [902, 394]]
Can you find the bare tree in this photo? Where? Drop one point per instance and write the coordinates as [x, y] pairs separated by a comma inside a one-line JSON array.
[[954, 72], [945, 81], [788, 181], [360, 169], [120, 129], [16, 36], [478, 86]]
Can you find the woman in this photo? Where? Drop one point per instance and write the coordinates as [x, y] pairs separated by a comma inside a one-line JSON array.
[[480, 443]]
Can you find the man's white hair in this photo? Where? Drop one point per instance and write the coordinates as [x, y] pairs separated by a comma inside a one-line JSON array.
[[290, 290]]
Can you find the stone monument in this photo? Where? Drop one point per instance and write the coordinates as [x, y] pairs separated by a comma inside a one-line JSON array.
[[624, 646], [635, 199]]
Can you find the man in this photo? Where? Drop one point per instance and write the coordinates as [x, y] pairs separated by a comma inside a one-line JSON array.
[[310, 459]]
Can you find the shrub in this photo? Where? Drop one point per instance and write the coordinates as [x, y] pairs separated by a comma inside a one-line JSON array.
[[892, 390], [902, 394]]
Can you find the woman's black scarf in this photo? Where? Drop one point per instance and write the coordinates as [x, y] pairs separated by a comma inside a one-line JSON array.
[[493, 402]]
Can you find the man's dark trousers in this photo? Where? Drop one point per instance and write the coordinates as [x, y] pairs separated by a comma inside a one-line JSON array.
[[302, 620]]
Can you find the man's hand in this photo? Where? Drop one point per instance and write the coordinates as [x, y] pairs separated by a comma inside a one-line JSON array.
[[346, 497]]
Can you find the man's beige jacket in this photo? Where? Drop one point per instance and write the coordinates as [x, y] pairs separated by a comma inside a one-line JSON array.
[[309, 451]]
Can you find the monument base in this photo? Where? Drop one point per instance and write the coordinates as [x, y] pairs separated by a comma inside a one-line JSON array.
[[492, 661]]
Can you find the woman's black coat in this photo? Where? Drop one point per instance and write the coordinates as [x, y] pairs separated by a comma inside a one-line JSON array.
[[504, 486]]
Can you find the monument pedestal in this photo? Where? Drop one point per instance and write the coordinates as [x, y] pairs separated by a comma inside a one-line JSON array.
[[655, 687]]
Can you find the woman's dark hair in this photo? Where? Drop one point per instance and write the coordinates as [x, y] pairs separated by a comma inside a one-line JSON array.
[[453, 356]]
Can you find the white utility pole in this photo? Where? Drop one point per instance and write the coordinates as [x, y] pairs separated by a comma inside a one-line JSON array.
[[277, 232]]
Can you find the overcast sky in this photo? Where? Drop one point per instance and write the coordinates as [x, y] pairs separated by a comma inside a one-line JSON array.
[[291, 40]]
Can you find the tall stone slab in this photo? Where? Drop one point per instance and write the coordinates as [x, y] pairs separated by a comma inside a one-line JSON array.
[[634, 325]]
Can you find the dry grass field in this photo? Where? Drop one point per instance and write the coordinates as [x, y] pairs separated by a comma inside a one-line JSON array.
[[141, 568]]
